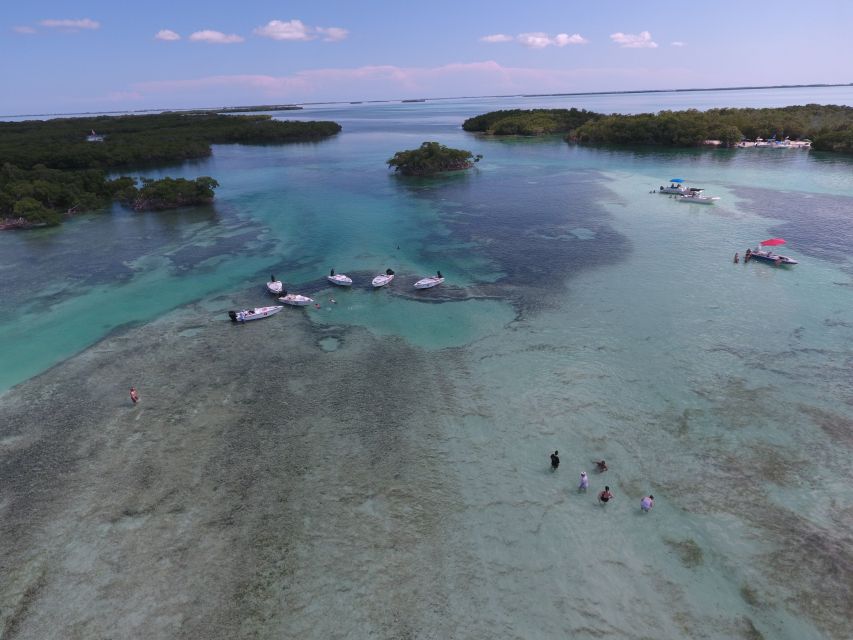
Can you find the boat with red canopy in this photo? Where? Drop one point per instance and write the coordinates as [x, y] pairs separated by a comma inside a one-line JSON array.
[[767, 255]]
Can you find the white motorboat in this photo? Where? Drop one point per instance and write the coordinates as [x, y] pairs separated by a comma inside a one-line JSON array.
[[675, 187], [339, 279], [295, 300], [254, 314], [426, 283], [696, 196], [274, 286], [383, 278]]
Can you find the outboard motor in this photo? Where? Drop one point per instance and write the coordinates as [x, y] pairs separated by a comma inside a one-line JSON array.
[[439, 274], [389, 272], [332, 272], [233, 316], [272, 277]]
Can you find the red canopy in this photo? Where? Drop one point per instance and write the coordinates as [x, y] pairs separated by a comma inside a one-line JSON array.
[[772, 242]]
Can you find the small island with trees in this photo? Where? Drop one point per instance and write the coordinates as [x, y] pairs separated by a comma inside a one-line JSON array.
[[431, 158], [829, 127], [52, 168]]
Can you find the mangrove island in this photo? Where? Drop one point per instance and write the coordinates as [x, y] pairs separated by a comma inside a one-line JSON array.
[[431, 158], [829, 127], [56, 167]]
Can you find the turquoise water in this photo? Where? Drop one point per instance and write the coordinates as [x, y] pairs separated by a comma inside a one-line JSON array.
[[589, 316]]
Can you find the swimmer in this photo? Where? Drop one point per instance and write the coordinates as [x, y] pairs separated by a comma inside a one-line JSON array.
[[555, 461], [647, 503], [584, 483], [316, 305], [134, 395], [605, 496], [737, 258], [601, 466], [333, 301]]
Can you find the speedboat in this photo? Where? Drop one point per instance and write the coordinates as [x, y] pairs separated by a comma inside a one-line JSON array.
[[694, 194], [254, 314], [339, 279], [383, 278], [767, 255], [295, 300], [426, 283], [675, 187], [274, 286]]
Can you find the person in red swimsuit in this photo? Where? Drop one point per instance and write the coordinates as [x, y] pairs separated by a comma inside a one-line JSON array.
[[605, 496]]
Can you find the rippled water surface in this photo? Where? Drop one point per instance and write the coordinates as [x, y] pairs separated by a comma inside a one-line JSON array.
[[378, 466]]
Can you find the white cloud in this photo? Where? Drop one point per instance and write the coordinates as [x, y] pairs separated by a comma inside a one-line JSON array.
[[497, 37], [214, 37], [642, 40], [534, 40], [537, 39], [678, 44], [562, 39], [280, 30], [84, 23], [24, 30], [332, 34], [167, 34]]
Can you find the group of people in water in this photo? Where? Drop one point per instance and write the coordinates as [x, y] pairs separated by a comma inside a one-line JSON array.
[[746, 256], [605, 495]]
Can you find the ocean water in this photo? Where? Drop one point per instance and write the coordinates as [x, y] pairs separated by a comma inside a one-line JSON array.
[[580, 312]]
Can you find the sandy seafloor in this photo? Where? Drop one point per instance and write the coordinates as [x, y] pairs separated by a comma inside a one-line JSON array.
[[378, 468]]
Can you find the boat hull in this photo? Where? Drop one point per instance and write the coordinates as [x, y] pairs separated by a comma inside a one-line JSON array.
[[340, 280], [274, 287], [381, 281], [296, 300], [772, 258], [428, 283], [247, 315]]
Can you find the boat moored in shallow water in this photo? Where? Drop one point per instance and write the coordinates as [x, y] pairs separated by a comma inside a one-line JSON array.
[[383, 278], [675, 188], [295, 300], [339, 279], [254, 314], [696, 196], [426, 283], [274, 286], [767, 255]]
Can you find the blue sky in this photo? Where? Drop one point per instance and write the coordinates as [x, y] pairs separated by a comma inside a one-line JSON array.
[[67, 56]]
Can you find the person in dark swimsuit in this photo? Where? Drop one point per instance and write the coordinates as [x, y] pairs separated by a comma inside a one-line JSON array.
[[555, 461], [601, 466], [605, 496]]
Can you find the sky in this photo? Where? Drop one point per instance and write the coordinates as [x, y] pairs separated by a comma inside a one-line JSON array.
[[66, 56]]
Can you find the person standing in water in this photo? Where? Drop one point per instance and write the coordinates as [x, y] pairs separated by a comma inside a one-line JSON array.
[[134, 395], [605, 496], [647, 503], [584, 483], [555, 460]]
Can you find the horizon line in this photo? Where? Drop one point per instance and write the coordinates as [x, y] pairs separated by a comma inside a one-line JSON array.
[[388, 100]]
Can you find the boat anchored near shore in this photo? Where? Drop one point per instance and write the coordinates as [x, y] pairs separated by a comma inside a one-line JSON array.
[[339, 279], [383, 278]]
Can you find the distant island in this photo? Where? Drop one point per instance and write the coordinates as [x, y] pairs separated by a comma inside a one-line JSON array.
[[260, 107], [530, 122], [57, 167], [431, 158], [829, 127]]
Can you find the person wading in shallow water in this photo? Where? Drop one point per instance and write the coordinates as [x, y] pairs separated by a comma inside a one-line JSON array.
[[134, 395], [555, 461], [605, 496]]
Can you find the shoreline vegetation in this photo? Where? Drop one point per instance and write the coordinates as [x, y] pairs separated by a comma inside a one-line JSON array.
[[431, 158], [55, 168], [830, 127]]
